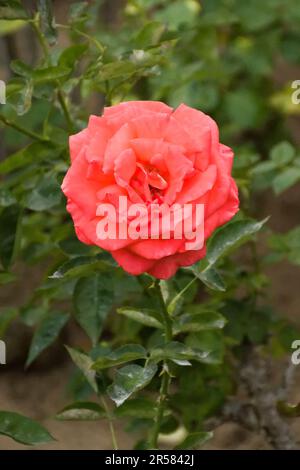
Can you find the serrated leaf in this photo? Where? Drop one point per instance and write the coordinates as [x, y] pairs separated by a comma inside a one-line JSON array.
[[39, 75], [84, 363], [204, 320], [229, 236], [93, 300], [210, 277], [127, 353], [71, 55], [81, 411], [130, 379], [194, 440], [177, 351], [146, 316], [83, 266], [22, 429], [46, 334]]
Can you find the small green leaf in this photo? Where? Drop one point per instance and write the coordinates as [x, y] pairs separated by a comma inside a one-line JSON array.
[[84, 363], [127, 353], [46, 334], [287, 178], [123, 68], [83, 266], [81, 411], [32, 153], [71, 55], [146, 316], [283, 153], [45, 195], [47, 20], [210, 277], [177, 351], [137, 408], [9, 227], [204, 320], [93, 300], [39, 75], [194, 440], [130, 379], [230, 236], [22, 429]]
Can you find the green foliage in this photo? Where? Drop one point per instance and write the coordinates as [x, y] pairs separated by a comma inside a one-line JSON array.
[[22, 429]]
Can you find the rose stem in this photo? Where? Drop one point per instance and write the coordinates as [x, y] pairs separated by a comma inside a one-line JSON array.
[[166, 379], [110, 422]]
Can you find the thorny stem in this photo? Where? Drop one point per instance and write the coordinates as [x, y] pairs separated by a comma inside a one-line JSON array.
[[110, 422], [166, 378]]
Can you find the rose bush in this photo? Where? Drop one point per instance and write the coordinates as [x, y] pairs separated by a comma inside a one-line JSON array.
[[150, 153]]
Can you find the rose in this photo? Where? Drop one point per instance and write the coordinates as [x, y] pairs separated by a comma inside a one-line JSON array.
[[147, 151]]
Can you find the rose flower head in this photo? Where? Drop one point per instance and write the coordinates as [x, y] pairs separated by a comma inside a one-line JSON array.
[[139, 159]]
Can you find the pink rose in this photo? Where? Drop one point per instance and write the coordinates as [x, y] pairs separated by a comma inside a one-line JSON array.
[[150, 153]]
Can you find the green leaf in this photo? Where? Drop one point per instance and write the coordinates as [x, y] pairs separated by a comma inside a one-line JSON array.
[[22, 429], [39, 75], [45, 195], [283, 153], [47, 21], [146, 316], [210, 277], [137, 408], [204, 320], [83, 266], [81, 411], [93, 300], [7, 315], [19, 94], [130, 379], [9, 227], [177, 351], [116, 70], [194, 440], [6, 198], [71, 55], [84, 363], [127, 353], [46, 334], [12, 10], [287, 178], [230, 236]]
